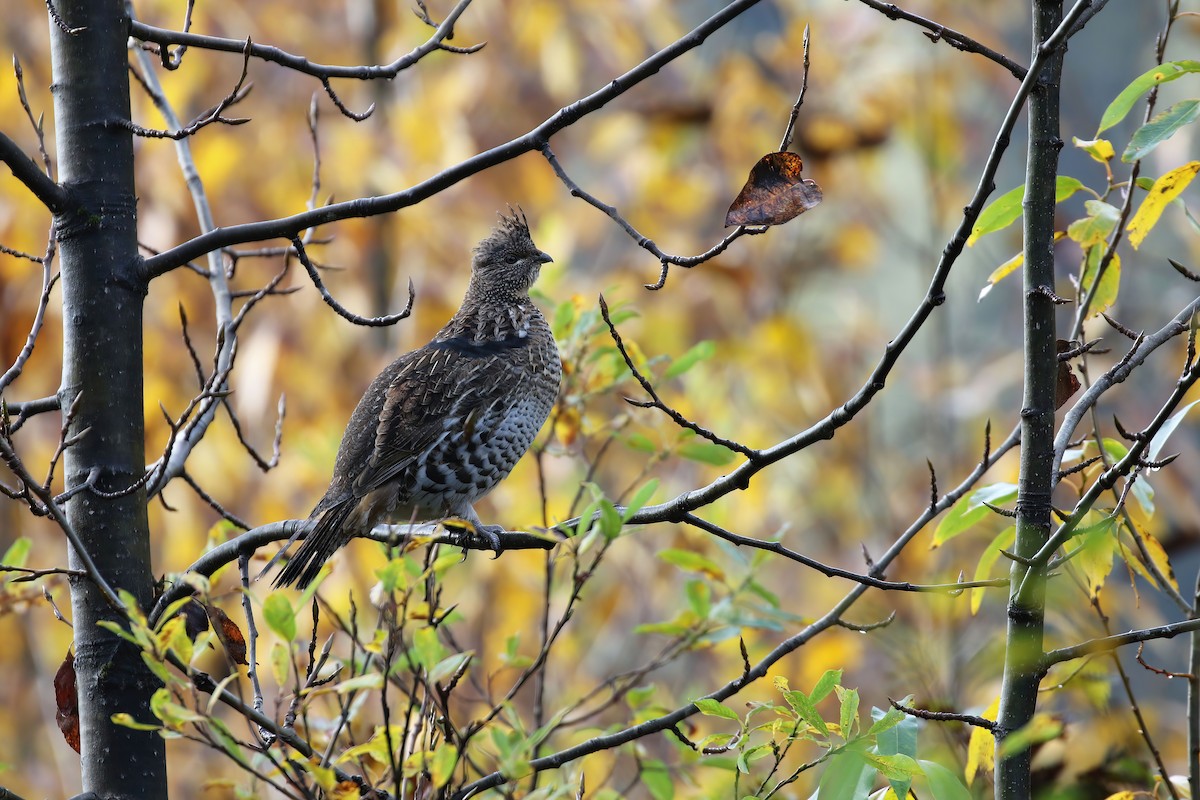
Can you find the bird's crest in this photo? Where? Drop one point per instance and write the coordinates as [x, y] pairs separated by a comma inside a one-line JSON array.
[[512, 226]]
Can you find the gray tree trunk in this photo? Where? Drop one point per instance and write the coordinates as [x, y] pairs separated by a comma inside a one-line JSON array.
[[102, 370], [1027, 600]]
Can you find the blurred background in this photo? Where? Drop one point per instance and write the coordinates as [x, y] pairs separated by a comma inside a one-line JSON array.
[[894, 127]]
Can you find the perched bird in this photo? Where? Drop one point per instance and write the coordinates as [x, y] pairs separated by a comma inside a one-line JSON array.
[[442, 425]]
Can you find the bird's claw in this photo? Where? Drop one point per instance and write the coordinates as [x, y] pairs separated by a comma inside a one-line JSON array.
[[491, 534]]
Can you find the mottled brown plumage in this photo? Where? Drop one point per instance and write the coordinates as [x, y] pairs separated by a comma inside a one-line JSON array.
[[442, 425]]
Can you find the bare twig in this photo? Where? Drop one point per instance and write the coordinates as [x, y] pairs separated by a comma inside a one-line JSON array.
[[342, 311], [790, 130], [164, 37], [288, 227], [656, 401], [940, 33]]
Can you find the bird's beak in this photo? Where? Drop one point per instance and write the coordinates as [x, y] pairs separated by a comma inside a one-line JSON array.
[[545, 258]]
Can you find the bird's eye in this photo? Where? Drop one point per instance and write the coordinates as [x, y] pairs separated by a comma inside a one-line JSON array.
[[512, 258]]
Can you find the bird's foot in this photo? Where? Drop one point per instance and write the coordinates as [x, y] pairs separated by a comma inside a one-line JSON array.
[[476, 535], [491, 534]]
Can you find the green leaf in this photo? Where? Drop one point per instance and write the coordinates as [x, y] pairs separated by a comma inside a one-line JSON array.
[[279, 616], [983, 569], [640, 442], [900, 737], [1006, 209], [825, 684], [847, 710], [1042, 728], [225, 738], [706, 453], [885, 721], [636, 698], [610, 520], [1123, 103], [943, 784], [426, 649], [17, 552], [749, 756], [847, 777], [1096, 226], [970, 510], [1161, 128], [640, 499], [657, 780], [899, 740], [699, 598], [692, 562], [714, 708], [697, 353], [897, 768], [807, 710]]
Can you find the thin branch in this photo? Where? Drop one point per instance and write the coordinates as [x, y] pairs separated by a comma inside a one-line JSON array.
[[287, 227], [292, 529], [746, 677], [10, 457], [656, 402], [946, 716], [164, 37], [342, 311], [39, 317], [26, 170], [790, 130], [239, 92], [940, 33], [1107, 643], [952, 589]]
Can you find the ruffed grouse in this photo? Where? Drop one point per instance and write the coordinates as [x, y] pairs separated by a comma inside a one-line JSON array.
[[442, 425]]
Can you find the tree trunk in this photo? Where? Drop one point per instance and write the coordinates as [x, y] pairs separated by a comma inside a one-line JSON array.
[[102, 382], [1027, 598]]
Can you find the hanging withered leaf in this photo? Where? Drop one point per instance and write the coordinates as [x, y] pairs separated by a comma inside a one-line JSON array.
[[195, 620], [1067, 384], [229, 634], [774, 193], [66, 701]]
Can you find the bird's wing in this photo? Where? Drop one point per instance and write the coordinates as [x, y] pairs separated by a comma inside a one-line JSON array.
[[436, 393]]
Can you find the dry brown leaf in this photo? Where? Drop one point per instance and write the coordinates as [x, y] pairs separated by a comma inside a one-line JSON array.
[[66, 700], [774, 193]]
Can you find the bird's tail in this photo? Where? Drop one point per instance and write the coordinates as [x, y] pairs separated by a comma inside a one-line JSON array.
[[326, 534]]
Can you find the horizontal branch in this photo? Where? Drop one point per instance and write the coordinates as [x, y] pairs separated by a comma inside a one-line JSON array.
[[940, 33], [26, 170], [789, 645], [834, 572], [287, 227], [1109, 643], [246, 544], [165, 37]]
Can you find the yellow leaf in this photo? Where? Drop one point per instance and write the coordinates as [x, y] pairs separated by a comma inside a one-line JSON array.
[[1110, 281], [1001, 272], [981, 747], [1157, 554], [1099, 149], [1164, 190], [986, 561]]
